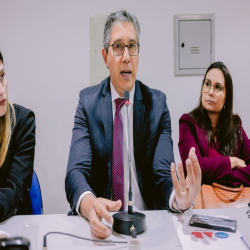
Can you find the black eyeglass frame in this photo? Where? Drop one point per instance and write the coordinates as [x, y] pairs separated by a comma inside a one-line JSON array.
[[126, 45]]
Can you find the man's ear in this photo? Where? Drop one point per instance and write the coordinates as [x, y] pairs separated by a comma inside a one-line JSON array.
[[105, 55]]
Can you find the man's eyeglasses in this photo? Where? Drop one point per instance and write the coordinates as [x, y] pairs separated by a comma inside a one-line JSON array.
[[218, 88], [118, 48]]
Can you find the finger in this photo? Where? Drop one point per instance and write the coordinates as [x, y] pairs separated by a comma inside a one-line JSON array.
[[174, 179], [97, 227], [243, 164], [196, 170], [195, 163], [190, 174], [102, 211], [113, 205], [181, 175], [97, 233]]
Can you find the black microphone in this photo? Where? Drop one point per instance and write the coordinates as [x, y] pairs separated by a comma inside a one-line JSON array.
[[129, 223], [126, 98], [130, 194]]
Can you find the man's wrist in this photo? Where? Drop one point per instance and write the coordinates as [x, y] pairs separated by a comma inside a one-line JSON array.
[[177, 208], [86, 204]]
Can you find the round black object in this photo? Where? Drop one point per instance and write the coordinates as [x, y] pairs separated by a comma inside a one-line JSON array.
[[183, 45], [14, 243], [123, 222]]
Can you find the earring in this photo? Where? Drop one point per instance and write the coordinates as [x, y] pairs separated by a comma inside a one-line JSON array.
[[224, 107]]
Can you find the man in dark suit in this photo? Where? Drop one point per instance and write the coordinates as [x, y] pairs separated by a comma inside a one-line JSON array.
[[96, 149]]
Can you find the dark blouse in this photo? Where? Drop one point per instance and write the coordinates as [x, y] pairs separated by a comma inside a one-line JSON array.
[[214, 169], [16, 172]]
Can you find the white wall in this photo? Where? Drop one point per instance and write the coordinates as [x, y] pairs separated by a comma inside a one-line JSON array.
[[45, 45]]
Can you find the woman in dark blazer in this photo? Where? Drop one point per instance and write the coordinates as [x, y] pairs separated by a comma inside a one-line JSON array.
[[221, 144], [17, 145]]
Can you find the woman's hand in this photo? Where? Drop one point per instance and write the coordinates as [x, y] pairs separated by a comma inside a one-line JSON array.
[[237, 162]]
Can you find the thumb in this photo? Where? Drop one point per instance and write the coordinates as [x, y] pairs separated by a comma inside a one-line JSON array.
[[113, 205]]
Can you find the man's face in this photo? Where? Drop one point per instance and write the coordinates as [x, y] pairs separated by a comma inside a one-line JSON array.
[[123, 69]]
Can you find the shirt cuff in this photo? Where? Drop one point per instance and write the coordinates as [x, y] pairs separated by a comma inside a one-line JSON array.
[[170, 201], [80, 199]]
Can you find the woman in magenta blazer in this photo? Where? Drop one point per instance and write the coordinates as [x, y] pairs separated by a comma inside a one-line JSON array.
[[221, 144]]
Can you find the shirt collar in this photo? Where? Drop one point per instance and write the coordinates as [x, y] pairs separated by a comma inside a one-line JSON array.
[[115, 95]]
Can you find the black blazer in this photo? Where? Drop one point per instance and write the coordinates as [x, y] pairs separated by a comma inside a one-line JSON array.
[[16, 172], [90, 158]]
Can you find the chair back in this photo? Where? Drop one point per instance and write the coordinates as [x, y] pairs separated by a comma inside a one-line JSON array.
[[36, 196]]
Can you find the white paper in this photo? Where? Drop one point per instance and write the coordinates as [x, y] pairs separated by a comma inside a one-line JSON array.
[[193, 238]]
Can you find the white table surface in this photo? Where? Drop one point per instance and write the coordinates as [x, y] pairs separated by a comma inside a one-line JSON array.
[[160, 233]]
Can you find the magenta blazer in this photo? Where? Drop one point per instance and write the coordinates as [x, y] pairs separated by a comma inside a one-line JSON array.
[[214, 169]]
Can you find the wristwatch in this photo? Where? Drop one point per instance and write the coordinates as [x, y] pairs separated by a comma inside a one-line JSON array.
[[186, 211]]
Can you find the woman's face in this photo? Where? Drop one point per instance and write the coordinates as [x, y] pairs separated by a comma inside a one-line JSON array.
[[3, 95], [213, 99]]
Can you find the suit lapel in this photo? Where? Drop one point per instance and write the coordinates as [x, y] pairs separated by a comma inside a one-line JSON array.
[[138, 121], [107, 118]]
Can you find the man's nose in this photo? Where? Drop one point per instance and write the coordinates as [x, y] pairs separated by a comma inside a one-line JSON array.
[[126, 56]]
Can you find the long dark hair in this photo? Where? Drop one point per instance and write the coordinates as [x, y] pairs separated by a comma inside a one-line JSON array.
[[228, 128]]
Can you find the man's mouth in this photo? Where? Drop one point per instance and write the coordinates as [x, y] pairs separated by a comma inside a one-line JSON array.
[[126, 72]]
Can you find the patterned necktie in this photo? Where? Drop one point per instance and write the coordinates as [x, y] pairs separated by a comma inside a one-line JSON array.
[[118, 165]]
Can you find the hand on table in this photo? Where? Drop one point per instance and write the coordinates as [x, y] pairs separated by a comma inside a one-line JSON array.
[[186, 190], [237, 162], [94, 209]]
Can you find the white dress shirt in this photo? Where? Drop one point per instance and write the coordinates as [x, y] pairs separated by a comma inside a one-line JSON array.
[[138, 203]]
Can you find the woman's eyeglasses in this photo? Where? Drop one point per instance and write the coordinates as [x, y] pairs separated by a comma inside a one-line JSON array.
[[218, 88]]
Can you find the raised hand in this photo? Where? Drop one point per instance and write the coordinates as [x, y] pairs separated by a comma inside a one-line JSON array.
[[186, 190]]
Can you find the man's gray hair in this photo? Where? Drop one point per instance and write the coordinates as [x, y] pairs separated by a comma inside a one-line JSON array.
[[121, 16]]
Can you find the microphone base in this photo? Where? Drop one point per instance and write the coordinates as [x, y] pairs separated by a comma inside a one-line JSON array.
[[123, 222]]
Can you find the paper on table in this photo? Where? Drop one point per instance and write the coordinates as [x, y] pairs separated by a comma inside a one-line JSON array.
[[193, 238]]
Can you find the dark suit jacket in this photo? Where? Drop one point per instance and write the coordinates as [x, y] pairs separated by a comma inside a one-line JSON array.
[[90, 158], [216, 169], [16, 172]]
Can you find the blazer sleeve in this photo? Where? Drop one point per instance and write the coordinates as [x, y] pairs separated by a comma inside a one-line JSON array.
[[80, 158], [21, 162], [213, 169], [242, 175], [163, 158]]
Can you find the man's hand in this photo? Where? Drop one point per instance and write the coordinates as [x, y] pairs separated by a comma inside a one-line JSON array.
[[186, 190], [237, 163], [94, 209]]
